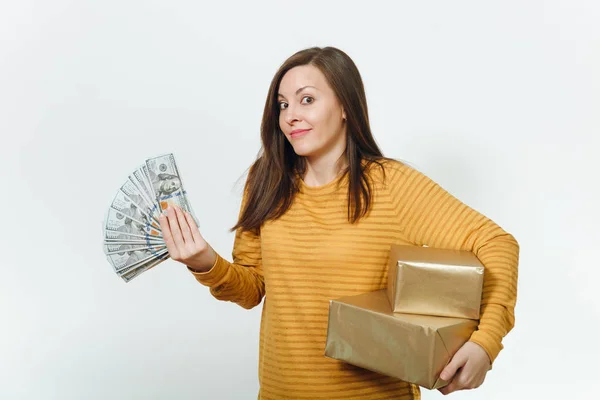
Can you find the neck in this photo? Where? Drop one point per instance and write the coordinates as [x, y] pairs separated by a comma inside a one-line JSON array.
[[322, 170]]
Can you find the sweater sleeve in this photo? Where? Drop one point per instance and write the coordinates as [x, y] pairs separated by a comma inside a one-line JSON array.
[[431, 216], [240, 281]]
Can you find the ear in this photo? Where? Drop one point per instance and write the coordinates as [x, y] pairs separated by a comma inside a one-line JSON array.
[[343, 114]]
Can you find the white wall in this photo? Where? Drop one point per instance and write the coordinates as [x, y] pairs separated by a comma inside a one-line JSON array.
[[497, 101]]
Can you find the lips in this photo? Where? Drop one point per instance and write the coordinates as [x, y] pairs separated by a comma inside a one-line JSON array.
[[299, 132]]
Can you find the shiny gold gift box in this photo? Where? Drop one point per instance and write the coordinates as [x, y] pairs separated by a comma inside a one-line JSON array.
[[432, 281], [364, 331]]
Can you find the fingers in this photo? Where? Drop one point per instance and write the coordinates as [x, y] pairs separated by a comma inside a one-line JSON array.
[[194, 228], [453, 372], [455, 363], [175, 228], [186, 232], [176, 236], [181, 234], [167, 236], [456, 384], [451, 387], [450, 370]]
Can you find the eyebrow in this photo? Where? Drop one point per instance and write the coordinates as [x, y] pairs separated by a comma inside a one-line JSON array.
[[299, 90]]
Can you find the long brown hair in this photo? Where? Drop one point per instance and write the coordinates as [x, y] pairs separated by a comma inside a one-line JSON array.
[[273, 178]]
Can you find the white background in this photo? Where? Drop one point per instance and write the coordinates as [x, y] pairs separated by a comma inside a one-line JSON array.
[[497, 101]]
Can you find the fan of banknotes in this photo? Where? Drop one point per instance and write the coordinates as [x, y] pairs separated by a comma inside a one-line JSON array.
[[133, 240]]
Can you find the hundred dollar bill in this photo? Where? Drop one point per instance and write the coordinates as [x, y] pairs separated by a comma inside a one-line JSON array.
[[190, 208], [140, 221], [131, 258], [144, 257], [142, 182], [115, 236], [123, 226], [140, 176], [128, 207], [139, 241], [122, 248], [166, 182], [135, 194], [137, 271], [156, 258], [148, 180]]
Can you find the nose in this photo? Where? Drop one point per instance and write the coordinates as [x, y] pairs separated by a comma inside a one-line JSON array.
[[290, 114]]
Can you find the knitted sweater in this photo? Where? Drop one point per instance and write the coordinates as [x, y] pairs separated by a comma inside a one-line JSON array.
[[313, 254]]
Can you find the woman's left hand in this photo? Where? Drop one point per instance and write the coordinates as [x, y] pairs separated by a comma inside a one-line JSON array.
[[467, 369]]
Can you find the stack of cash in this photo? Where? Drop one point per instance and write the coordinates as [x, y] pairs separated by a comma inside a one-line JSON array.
[[133, 240]]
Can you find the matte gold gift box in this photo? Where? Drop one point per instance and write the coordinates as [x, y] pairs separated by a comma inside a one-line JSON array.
[[364, 331], [432, 281]]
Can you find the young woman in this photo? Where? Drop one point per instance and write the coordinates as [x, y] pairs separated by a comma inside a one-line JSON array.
[[320, 210]]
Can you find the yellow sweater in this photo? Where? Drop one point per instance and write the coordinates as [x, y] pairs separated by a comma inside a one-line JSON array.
[[313, 254]]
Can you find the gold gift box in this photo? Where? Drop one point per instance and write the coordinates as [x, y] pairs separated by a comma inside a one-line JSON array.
[[432, 281], [364, 331]]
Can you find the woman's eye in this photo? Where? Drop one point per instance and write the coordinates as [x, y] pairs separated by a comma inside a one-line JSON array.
[[283, 105]]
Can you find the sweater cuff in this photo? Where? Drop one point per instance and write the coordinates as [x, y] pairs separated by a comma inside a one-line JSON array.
[[213, 276], [490, 344]]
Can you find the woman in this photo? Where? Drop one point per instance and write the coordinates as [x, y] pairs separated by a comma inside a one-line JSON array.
[[320, 210]]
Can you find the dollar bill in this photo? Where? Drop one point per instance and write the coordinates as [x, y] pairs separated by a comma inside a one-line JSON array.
[[131, 258], [124, 204], [137, 196], [124, 226], [166, 182], [122, 248], [145, 261], [134, 272], [115, 236], [141, 221], [191, 209], [139, 241], [140, 176], [133, 241], [159, 257]]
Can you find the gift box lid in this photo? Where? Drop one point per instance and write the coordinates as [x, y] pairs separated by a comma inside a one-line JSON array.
[[433, 281]]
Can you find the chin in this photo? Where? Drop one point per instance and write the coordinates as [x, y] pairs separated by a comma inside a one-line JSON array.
[[303, 151]]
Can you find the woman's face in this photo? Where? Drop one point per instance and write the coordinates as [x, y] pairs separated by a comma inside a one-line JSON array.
[[311, 116]]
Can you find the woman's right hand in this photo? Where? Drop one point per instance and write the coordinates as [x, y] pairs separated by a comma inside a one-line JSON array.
[[184, 241]]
